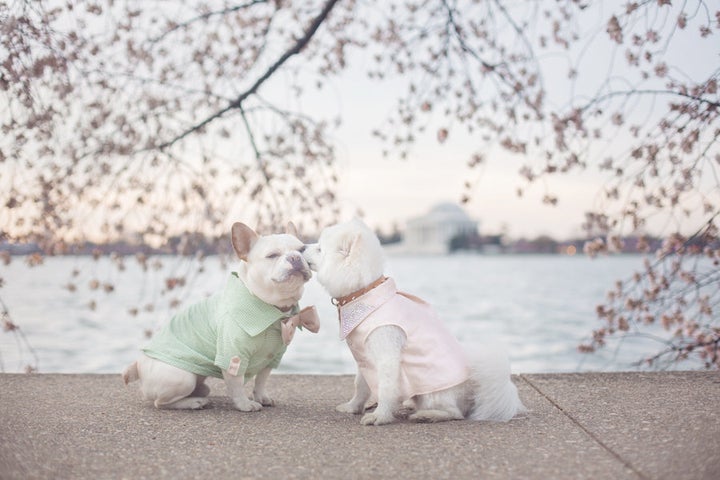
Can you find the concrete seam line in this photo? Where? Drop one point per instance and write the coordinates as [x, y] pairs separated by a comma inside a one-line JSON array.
[[584, 429]]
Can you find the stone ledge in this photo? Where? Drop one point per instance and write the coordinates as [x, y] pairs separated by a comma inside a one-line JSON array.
[[596, 426]]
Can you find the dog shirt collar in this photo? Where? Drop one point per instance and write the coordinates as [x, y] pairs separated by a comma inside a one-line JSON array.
[[359, 305], [254, 315]]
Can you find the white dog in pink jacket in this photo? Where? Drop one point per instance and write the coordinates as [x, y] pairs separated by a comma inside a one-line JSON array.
[[406, 358]]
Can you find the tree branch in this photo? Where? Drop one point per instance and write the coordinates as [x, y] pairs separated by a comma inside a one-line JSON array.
[[297, 48], [205, 16], [629, 93]]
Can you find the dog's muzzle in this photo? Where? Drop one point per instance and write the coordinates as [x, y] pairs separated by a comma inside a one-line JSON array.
[[298, 266]]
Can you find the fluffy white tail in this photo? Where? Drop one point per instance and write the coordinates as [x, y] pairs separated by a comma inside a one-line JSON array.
[[496, 396], [130, 374]]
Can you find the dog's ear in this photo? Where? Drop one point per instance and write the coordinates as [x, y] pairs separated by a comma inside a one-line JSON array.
[[292, 230], [243, 238], [349, 244]]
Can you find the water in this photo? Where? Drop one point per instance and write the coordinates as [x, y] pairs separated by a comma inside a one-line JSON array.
[[539, 307]]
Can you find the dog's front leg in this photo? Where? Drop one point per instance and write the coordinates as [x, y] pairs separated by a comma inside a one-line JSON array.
[[236, 390], [385, 345], [259, 394], [357, 403]]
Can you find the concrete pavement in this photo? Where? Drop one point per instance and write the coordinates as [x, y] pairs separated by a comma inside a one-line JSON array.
[[596, 426]]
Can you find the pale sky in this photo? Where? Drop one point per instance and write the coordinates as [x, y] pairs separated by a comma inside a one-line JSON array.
[[390, 191]]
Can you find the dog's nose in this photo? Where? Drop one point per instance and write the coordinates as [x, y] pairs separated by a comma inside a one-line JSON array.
[[295, 261]]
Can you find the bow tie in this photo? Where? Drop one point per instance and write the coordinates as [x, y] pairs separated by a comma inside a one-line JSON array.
[[307, 318]]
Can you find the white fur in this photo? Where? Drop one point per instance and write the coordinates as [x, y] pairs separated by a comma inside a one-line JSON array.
[[274, 270], [277, 281], [347, 258]]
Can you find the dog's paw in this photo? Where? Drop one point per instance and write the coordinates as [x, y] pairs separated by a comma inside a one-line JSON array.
[[434, 416], [349, 407], [196, 403], [374, 418], [187, 403], [405, 411], [247, 406], [263, 399]]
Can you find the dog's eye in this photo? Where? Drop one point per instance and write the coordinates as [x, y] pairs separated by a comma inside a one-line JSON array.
[[272, 255], [301, 249]]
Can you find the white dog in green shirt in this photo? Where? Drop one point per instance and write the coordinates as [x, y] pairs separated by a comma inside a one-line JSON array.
[[237, 334]]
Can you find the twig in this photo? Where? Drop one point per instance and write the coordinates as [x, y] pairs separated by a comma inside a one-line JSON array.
[[235, 104], [205, 16], [628, 93], [20, 337]]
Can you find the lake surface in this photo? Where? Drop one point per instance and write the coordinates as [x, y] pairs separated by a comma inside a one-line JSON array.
[[539, 307]]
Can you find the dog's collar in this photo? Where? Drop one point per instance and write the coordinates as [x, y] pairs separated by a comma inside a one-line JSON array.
[[342, 301]]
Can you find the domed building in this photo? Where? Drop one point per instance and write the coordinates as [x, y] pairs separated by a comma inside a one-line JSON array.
[[432, 232]]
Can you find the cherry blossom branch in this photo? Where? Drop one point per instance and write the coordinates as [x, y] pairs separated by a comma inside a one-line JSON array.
[[630, 93], [9, 326], [205, 16], [300, 44]]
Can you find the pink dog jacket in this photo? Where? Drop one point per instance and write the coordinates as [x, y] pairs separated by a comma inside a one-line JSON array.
[[432, 359]]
